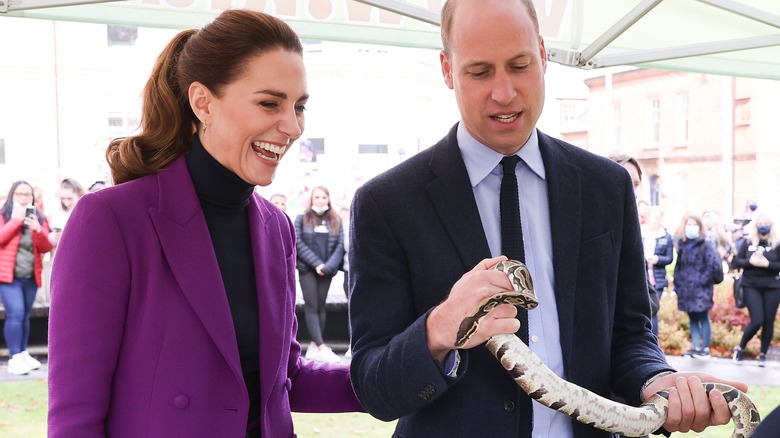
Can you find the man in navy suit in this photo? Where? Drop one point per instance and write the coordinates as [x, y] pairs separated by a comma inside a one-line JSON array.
[[425, 232]]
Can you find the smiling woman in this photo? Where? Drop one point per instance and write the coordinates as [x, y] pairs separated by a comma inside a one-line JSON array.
[[188, 272]]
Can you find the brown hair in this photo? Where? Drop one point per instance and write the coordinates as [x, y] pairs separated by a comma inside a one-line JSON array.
[[215, 56], [448, 13], [311, 217], [680, 234], [623, 159], [72, 184]]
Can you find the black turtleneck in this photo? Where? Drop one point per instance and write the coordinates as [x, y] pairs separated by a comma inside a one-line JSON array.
[[224, 198]]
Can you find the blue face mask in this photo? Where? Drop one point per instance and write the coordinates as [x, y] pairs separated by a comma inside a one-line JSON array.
[[753, 207], [763, 230], [692, 231]]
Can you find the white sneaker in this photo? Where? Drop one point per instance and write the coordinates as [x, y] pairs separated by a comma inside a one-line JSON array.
[[313, 353], [348, 354], [17, 365], [327, 355], [29, 360]]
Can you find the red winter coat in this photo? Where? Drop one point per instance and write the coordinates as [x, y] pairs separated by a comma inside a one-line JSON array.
[[10, 234]]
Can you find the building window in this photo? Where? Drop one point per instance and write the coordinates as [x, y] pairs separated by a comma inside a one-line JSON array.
[[742, 112], [654, 122], [655, 190], [116, 120], [616, 123], [123, 124], [310, 148], [121, 35], [569, 111], [372, 148], [682, 119]]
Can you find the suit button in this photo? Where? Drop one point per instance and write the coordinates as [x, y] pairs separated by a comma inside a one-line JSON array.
[[181, 401], [427, 392], [509, 406], [288, 384]]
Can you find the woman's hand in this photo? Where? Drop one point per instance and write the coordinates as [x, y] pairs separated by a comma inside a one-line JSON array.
[[652, 259], [32, 223], [758, 260], [319, 270]]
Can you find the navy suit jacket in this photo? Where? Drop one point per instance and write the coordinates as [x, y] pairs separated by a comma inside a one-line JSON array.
[[416, 230]]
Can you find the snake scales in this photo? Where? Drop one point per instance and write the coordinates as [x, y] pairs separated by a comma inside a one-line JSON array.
[[544, 386]]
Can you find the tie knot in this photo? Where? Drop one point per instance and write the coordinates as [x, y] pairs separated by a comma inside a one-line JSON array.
[[509, 163]]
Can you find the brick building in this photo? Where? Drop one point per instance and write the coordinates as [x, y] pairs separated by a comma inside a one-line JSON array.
[[705, 142]]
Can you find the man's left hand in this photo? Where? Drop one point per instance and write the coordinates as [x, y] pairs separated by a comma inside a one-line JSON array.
[[690, 408]]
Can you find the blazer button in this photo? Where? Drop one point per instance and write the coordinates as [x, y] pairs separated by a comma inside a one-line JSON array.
[[181, 401], [288, 384], [427, 392], [509, 406]]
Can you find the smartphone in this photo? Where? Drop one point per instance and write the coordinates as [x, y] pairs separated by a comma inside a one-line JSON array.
[[29, 211]]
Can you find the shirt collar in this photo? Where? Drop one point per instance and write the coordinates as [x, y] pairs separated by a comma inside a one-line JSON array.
[[480, 160]]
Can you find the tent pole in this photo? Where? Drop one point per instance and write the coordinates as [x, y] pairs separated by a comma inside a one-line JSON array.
[[616, 30], [686, 51], [745, 11], [407, 10]]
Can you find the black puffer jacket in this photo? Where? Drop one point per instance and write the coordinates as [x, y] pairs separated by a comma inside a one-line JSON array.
[[308, 259]]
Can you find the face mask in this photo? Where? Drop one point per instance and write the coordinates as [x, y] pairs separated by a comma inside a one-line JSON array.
[[322, 209], [753, 207], [692, 231], [764, 230]]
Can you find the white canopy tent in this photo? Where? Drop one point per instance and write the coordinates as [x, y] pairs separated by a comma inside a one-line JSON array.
[[731, 37]]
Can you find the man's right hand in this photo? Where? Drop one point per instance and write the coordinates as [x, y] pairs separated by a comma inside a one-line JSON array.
[[466, 294]]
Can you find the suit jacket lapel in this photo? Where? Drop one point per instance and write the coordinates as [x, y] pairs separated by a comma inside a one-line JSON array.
[[565, 202], [184, 237], [272, 297], [453, 198]]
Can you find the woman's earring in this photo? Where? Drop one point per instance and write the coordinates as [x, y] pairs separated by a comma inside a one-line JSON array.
[[204, 128]]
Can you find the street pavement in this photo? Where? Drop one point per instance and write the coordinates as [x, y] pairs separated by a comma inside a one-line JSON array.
[[747, 371]]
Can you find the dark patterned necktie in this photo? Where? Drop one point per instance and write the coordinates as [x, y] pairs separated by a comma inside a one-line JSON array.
[[512, 247]]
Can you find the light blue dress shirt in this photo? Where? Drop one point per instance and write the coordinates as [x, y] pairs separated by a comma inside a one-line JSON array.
[[484, 169]]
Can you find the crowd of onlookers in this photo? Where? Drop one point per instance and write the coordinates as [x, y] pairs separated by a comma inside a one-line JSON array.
[[703, 249]]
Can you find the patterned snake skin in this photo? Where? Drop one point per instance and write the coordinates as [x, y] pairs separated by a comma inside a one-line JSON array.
[[544, 386]]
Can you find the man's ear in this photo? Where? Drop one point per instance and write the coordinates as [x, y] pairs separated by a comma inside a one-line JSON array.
[[446, 69], [200, 98], [543, 53]]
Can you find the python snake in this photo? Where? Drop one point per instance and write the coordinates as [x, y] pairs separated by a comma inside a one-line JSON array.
[[544, 386]]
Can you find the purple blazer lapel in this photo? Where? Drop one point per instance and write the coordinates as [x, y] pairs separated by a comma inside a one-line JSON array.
[[273, 297], [184, 238]]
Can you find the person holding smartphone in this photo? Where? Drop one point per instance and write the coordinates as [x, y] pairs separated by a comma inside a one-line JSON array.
[[23, 242]]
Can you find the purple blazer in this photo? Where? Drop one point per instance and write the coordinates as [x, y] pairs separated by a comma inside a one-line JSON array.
[[141, 339]]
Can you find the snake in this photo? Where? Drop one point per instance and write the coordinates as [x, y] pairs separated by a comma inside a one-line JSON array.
[[547, 388]]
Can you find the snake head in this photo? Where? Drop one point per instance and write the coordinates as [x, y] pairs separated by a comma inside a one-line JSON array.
[[520, 277], [522, 294]]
